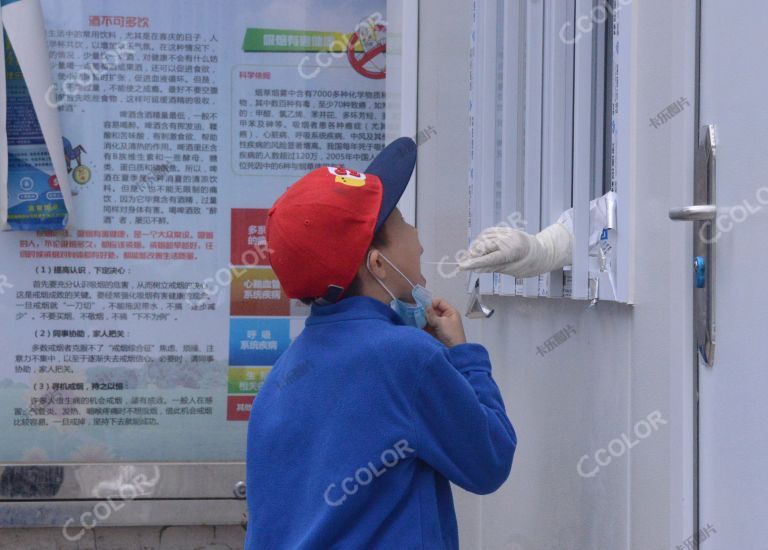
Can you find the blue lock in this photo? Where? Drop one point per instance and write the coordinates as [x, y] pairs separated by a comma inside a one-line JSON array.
[[700, 269]]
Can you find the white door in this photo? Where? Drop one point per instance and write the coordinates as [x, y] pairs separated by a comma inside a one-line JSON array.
[[733, 406]]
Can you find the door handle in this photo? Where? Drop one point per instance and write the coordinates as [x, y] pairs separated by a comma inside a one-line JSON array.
[[704, 246], [700, 212]]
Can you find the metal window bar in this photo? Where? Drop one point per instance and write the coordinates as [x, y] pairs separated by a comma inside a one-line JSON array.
[[498, 183], [622, 145], [512, 135], [483, 122], [583, 151], [599, 99], [534, 83], [557, 150]]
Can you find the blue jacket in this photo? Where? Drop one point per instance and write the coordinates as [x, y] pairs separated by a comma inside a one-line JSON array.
[[359, 428]]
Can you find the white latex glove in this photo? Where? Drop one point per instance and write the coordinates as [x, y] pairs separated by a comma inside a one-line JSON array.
[[514, 252], [517, 253]]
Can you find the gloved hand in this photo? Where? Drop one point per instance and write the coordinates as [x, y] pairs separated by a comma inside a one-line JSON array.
[[517, 253]]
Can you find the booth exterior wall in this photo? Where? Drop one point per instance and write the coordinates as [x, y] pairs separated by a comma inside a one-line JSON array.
[[624, 363]]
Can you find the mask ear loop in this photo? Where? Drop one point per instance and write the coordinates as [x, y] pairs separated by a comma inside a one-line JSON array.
[[368, 267], [396, 269]]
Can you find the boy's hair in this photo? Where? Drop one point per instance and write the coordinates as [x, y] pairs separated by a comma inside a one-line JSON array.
[[379, 240]]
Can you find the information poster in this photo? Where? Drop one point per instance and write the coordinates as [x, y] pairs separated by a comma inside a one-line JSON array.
[[145, 330]]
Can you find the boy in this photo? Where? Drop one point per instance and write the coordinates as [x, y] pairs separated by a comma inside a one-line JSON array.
[[365, 418]]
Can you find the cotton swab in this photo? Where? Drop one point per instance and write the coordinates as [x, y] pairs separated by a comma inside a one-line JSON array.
[[441, 263]]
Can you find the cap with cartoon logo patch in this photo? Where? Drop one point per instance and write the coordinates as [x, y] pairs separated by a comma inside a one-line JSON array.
[[319, 230]]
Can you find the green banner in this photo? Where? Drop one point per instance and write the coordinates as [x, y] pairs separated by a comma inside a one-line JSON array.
[[247, 380], [288, 40]]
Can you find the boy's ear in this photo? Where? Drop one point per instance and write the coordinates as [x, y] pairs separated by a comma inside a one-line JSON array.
[[376, 264]]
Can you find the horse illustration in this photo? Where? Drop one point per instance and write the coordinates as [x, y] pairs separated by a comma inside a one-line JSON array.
[[72, 153]]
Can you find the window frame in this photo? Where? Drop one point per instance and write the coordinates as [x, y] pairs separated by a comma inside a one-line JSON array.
[[562, 142]]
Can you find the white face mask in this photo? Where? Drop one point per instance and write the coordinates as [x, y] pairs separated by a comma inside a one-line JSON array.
[[415, 314]]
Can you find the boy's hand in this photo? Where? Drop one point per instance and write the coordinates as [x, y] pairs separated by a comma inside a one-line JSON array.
[[445, 323]]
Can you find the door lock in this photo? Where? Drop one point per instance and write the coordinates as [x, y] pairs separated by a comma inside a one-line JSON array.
[[702, 215], [700, 271]]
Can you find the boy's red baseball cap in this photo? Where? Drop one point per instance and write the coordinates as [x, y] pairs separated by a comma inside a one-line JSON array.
[[320, 229]]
